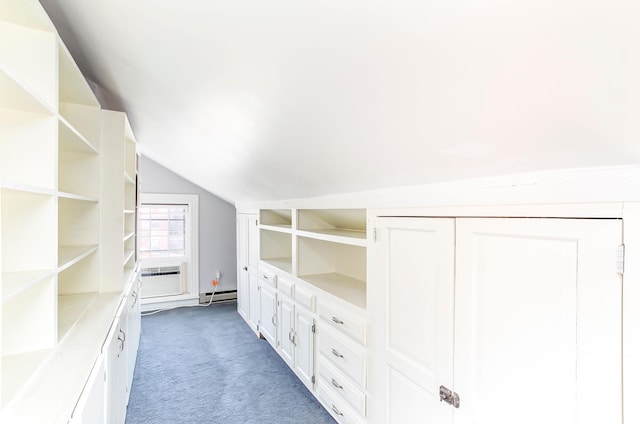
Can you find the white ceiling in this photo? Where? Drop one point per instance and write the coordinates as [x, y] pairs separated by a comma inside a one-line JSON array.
[[268, 100]]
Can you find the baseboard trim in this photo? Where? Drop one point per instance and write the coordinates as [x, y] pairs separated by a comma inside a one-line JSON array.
[[224, 296]]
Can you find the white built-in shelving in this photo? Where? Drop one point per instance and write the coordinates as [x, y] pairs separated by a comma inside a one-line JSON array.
[[324, 247], [58, 229]]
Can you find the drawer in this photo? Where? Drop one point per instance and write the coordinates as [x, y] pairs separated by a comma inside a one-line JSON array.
[[349, 324], [305, 298], [268, 277], [341, 386], [346, 355], [285, 285], [336, 406]]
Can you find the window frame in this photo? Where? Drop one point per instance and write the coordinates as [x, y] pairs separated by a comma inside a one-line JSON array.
[[191, 291]]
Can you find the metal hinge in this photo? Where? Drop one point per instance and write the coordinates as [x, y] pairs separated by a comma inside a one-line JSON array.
[[450, 397], [375, 234], [620, 259], [313, 329], [313, 379]]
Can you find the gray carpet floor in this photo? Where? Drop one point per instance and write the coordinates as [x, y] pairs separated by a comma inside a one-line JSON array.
[[204, 365]]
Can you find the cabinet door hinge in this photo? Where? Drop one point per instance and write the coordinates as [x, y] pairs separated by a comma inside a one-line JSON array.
[[313, 379], [620, 259], [313, 329], [375, 234], [450, 397]]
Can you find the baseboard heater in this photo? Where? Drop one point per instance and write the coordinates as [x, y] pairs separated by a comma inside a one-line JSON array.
[[221, 296]]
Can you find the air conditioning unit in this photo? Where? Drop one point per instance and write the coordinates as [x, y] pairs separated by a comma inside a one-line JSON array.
[[160, 281]]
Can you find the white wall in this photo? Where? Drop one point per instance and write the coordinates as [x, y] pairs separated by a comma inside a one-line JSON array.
[[217, 224]]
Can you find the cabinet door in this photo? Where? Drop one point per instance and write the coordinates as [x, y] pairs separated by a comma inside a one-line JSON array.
[[286, 332], [243, 266], [133, 331], [413, 337], [116, 371], [90, 407], [254, 301], [538, 321], [253, 294], [304, 346], [268, 314]]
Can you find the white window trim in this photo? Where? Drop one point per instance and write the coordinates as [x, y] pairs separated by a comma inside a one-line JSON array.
[[192, 296]]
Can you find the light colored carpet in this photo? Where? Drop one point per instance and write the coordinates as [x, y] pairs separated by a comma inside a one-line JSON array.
[[204, 365]]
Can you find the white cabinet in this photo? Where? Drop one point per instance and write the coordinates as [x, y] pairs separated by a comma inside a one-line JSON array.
[[247, 249], [67, 219], [296, 341], [115, 355], [304, 346], [90, 408], [268, 314], [285, 329], [520, 318], [134, 327]]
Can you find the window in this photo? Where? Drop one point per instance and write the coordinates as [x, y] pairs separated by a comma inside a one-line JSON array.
[[162, 231], [168, 248]]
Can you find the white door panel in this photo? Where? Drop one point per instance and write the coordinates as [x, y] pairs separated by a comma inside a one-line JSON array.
[[537, 321], [304, 343], [416, 295], [285, 329], [268, 314]]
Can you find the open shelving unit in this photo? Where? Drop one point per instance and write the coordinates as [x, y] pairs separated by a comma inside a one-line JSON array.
[[56, 226], [324, 247]]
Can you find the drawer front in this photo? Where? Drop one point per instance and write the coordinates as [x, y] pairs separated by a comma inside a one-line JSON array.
[[336, 406], [345, 355], [341, 386], [306, 299], [268, 277], [347, 323], [285, 285]]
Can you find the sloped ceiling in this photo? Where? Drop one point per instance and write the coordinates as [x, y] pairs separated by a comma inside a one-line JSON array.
[[268, 100]]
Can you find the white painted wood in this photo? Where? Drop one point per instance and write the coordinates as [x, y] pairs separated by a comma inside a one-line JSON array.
[[34, 69], [268, 314], [537, 321], [336, 406], [268, 276], [286, 285], [115, 351], [631, 313], [341, 385], [54, 316], [304, 346], [14, 283], [91, 405], [305, 298], [242, 247], [72, 86], [29, 319], [29, 14], [247, 271], [345, 354], [285, 329], [65, 370], [29, 231], [134, 328], [28, 149], [343, 320], [412, 338], [253, 260], [276, 249], [279, 218]]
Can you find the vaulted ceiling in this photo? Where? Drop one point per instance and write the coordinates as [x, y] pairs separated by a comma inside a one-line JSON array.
[[268, 100]]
